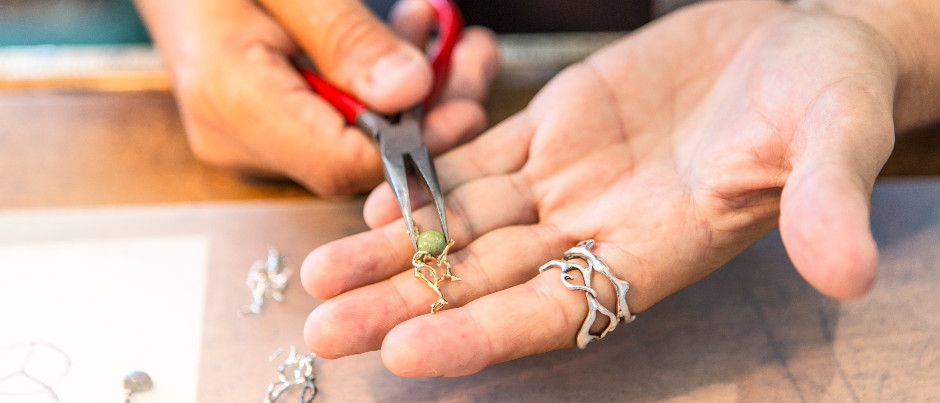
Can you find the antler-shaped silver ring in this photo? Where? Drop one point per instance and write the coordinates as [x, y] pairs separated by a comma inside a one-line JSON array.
[[581, 258]]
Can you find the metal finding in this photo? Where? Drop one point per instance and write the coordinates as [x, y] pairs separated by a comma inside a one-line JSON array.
[[424, 263], [136, 382], [266, 279], [591, 263], [296, 370]]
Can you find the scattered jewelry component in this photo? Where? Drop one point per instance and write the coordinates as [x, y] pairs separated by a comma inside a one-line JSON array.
[[136, 382], [32, 369], [296, 370], [266, 279], [432, 252], [573, 261]]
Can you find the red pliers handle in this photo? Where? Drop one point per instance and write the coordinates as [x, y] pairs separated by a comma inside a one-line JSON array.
[[449, 25], [400, 143]]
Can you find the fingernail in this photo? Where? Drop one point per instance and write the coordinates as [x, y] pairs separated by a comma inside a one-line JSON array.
[[391, 73]]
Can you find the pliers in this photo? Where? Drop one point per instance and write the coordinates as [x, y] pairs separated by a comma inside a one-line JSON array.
[[399, 137]]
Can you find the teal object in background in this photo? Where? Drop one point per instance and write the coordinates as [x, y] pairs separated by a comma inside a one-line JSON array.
[[70, 22]]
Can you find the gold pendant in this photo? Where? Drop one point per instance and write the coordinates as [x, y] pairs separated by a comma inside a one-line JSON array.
[[426, 268]]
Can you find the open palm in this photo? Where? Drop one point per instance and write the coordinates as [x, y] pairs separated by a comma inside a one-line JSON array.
[[674, 149]]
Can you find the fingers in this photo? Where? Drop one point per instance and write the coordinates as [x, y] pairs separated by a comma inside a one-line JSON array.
[[356, 51], [452, 123], [538, 316], [475, 57], [472, 211], [468, 339], [245, 107], [824, 224], [474, 64], [824, 219], [359, 320], [199, 46], [413, 20], [293, 130], [381, 304], [501, 150]]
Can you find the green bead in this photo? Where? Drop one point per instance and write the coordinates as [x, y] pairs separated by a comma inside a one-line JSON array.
[[432, 242]]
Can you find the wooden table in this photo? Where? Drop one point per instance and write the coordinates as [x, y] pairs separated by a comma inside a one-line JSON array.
[[88, 164]]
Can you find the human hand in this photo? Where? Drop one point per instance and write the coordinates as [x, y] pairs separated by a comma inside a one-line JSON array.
[[674, 149], [245, 107]]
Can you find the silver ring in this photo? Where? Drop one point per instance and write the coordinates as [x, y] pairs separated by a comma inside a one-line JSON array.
[[581, 258]]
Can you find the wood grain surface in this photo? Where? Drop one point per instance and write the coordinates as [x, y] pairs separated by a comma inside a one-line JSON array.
[[73, 148], [62, 148]]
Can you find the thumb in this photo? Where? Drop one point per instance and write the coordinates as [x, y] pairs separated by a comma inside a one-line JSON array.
[[824, 223], [357, 52], [825, 206]]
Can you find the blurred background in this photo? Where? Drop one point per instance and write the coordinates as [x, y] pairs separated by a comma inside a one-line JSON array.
[[73, 22], [69, 60], [103, 44], [70, 22]]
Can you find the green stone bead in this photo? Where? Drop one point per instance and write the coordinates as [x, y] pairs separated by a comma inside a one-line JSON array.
[[432, 242]]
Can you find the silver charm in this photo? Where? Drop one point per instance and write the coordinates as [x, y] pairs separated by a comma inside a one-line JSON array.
[[31, 370], [591, 263], [136, 382], [266, 279], [296, 370]]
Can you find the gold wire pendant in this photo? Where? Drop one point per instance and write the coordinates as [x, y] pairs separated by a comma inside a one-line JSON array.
[[427, 267]]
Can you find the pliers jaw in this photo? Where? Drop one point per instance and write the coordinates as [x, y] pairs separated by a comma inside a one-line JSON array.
[[404, 152]]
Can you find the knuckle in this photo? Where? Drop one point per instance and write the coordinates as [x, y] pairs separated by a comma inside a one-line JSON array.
[[330, 181], [209, 146], [358, 171], [545, 288], [206, 150], [330, 186], [548, 291]]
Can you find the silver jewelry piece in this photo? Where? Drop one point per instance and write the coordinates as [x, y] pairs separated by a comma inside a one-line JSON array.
[[136, 382], [591, 263], [300, 368], [31, 370], [266, 279]]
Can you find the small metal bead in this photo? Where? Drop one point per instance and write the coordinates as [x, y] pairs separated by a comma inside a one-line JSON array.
[[138, 382]]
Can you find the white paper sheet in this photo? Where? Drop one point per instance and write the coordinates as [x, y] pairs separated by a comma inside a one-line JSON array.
[[76, 317]]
